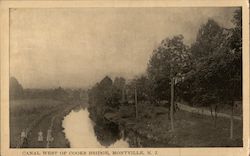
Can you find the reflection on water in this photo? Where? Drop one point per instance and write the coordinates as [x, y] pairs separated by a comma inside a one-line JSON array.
[[107, 134], [80, 131]]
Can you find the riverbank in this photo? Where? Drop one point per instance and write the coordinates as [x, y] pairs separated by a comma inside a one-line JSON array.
[[36, 115], [152, 129], [60, 140]]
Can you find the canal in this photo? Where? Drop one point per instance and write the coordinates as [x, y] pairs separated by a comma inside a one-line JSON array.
[[81, 132]]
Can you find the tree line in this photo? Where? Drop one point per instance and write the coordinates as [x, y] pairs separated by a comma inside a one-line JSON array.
[[17, 91]]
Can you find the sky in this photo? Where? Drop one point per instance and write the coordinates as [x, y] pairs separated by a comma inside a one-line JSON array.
[[77, 47]]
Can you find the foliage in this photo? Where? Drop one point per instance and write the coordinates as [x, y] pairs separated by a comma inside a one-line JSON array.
[[209, 38], [216, 77], [143, 87], [169, 60], [106, 96], [118, 91], [16, 89]]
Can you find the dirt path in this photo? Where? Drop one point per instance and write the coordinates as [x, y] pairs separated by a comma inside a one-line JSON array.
[[204, 112], [43, 126]]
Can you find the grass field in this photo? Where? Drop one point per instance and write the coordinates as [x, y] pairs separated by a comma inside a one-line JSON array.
[[196, 130]]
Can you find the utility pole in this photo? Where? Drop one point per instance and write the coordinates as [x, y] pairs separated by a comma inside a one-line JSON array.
[[123, 94], [136, 107], [172, 105], [232, 121], [172, 99]]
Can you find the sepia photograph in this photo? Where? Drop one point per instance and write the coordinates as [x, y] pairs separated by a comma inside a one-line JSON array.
[[138, 77]]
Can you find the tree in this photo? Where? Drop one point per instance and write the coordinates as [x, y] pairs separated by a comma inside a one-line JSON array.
[[16, 89], [209, 39], [166, 64], [106, 96], [204, 82], [139, 91], [210, 36], [100, 99], [143, 86], [105, 93], [119, 90], [236, 38]]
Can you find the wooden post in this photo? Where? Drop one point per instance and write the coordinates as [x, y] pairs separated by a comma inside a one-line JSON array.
[[172, 105], [232, 122], [123, 94], [136, 107]]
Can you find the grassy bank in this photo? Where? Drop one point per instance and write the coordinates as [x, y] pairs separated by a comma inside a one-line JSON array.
[[36, 115], [58, 130], [152, 129]]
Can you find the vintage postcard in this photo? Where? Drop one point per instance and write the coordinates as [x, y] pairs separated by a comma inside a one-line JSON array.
[[124, 78]]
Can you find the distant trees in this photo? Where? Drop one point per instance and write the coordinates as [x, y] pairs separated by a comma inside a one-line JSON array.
[[106, 96], [59, 94], [15, 89], [76, 94]]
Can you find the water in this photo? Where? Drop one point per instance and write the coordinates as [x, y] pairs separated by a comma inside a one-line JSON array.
[[79, 130]]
